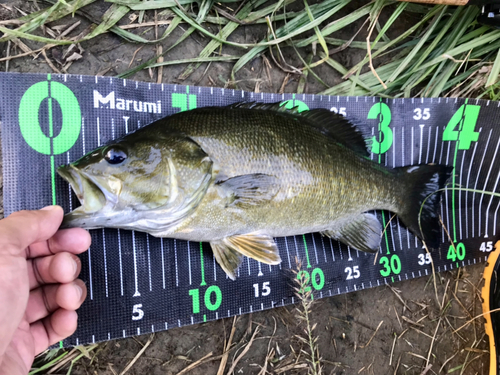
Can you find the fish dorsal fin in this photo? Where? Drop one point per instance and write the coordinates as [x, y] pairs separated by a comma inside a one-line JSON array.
[[257, 246], [276, 107], [249, 189], [349, 133], [362, 233]]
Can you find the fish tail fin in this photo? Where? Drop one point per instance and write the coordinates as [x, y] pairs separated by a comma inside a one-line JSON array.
[[422, 196]]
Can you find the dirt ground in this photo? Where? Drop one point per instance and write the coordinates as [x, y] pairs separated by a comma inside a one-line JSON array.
[[376, 331]]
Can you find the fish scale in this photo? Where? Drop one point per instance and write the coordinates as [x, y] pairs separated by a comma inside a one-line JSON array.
[[175, 283]]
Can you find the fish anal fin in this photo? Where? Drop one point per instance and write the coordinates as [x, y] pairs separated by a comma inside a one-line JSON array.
[[250, 189], [363, 232], [228, 258]]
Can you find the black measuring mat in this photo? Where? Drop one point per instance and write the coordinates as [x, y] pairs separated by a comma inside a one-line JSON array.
[[139, 284]]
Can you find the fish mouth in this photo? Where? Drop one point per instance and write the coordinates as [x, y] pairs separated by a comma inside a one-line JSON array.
[[92, 198]]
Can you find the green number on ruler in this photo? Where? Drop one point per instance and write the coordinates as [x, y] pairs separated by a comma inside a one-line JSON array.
[[292, 103], [317, 280], [458, 254], [208, 299], [181, 101], [390, 265], [383, 141], [318, 285], [211, 290], [195, 293], [464, 120]]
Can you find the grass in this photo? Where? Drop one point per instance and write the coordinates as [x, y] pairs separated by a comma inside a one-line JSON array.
[[444, 49], [443, 52]]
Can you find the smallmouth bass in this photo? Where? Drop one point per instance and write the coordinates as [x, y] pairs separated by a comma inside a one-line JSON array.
[[240, 175]]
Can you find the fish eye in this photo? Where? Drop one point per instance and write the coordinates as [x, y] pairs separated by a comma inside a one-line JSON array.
[[115, 156]]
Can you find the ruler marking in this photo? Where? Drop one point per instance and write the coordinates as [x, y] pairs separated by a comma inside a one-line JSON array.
[[105, 261], [288, 253], [403, 151], [162, 262], [120, 260], [394, 166], [494, 190], [98, 133], [189, 261], [428, 144], [467, 186], [315, 249], [446, 191], [460, 196], [412, 145], [477, 179], [137, 293], [324, 248], [149, 263], [421, 126], [90, 275], [484, 188], [69, 189], [176, 266], [340, 250]]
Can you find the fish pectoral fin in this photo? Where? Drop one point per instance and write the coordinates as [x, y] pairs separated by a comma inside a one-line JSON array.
[[249, 189], [227, 257], [364, 233], [229, 250]]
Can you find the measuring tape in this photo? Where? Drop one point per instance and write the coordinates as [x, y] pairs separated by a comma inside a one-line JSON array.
[[139, 284]]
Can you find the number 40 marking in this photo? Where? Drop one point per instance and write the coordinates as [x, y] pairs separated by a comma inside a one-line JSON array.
[[465, 120]]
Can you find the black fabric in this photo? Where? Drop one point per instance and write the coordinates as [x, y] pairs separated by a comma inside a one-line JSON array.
[[138, 284]]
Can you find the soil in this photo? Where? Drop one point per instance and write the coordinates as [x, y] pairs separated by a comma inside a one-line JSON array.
[[376, 331]]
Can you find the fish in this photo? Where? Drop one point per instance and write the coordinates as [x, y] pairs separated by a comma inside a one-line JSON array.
[[241, 175]]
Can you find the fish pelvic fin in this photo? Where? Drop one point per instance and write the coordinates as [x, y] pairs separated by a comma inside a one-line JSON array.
[[229, 251], [422, 197], [361, 233], [228, 258]]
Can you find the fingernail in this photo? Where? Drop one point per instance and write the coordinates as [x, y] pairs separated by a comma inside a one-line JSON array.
[[79, 291], [49, 208]]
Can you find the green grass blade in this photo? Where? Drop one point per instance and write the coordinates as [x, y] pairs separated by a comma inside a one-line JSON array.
[[224, 34], [408, 59], [495, 71], [158, 4], [175, 22], [296, 26], [337, 25], [195, 60], [114, 14], [403, 36]]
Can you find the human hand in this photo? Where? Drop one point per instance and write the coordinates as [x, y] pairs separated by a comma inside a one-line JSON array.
[[39, 292]]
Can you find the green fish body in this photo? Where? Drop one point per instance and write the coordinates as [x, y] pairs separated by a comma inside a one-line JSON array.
[[238, 176]]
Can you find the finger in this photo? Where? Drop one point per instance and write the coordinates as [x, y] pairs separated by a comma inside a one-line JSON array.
[[23, 228], [75, 240], [59, 268], [56, 327], [48, 298]]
